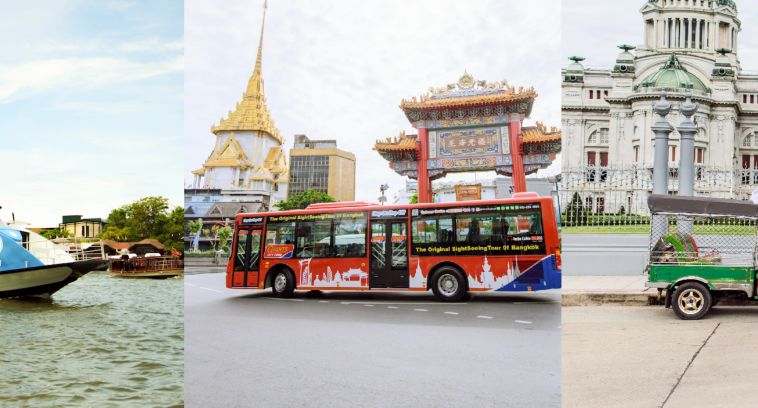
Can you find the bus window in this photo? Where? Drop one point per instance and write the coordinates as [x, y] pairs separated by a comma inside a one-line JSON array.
[[280, 233], [314, 239], [429, 230], [350, 238], [239, 259], [479, 229], [524, 224]]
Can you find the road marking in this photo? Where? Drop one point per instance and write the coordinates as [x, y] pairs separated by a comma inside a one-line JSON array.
[[287, 300], [323, 301], [202, 287], [421, 310], [369, 305], [452, 313], [523, 321], [484, 317], [392, 307]]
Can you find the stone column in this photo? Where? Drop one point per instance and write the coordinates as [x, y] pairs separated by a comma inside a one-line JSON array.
[[661, 128], [687, 130]]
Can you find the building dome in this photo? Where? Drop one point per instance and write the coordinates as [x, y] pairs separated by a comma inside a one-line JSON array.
[[673, 76]]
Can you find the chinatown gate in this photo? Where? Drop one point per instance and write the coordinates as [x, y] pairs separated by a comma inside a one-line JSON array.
[[470, 126]]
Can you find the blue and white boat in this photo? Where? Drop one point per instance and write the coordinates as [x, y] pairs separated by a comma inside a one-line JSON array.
[[31, 265]]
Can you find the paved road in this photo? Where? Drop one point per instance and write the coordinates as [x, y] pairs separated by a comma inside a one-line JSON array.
[[647, 357], [340, 349]]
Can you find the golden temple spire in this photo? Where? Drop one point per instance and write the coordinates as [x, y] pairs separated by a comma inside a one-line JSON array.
[[255, 85], [251, 113]]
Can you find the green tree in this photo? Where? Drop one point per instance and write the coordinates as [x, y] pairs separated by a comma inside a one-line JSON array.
[[575, 211], [55, 233], [148, 217], [413, 199], [299, 201], [195, 226], [224, 234], [172, 233]]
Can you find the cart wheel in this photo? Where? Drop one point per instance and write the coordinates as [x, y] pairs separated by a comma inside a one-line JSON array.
[[691, 301]]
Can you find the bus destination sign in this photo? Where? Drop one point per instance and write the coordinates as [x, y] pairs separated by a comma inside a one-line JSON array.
[[252, 220]]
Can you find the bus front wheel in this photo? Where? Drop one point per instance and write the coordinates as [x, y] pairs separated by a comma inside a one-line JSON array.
[[691, 300], [283, 284], [449, 284]]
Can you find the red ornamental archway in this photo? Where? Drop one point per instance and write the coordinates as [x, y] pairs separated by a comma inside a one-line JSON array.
[[470, 126]]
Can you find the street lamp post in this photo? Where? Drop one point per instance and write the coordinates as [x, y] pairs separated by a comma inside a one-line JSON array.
[[687, 130], [661, 128]]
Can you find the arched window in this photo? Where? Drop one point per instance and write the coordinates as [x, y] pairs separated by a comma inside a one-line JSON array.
[[596, 155], [749, 159]]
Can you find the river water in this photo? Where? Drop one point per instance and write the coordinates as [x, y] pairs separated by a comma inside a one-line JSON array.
[[101, 341]]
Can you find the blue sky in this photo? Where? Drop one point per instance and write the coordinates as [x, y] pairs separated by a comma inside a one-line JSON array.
[[91, 106], [338, 69]]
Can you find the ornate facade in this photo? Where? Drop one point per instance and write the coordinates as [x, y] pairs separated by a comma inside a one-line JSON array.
[[248, 162], [689, 46], [470, 126]]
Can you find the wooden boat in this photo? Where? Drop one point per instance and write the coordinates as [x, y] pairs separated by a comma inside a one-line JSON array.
[[159, 267]]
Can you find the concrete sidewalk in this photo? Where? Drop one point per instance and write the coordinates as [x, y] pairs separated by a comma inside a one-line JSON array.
[[628, 290]]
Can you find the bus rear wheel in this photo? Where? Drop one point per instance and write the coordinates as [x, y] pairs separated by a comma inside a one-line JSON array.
[[449, 284], [283, 283], [691, 301]]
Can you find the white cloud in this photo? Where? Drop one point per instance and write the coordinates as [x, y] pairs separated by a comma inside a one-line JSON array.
[[45, 74]]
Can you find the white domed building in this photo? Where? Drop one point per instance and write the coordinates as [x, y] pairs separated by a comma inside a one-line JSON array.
[[690, 46]]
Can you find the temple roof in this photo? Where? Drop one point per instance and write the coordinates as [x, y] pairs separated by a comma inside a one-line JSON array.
[[468, 92], [230, 154], [405, 146], [251, 113]]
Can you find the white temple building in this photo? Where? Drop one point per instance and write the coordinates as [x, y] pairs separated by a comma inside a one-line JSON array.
[[248, 162], [689, 46]]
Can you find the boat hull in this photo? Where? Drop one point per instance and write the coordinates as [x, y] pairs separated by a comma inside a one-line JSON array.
[[43, 281], [163, 274]]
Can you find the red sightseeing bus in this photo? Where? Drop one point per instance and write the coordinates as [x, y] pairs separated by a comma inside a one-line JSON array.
[[452, 248]]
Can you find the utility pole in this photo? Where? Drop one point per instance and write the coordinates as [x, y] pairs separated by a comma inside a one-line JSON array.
[[382, 189]]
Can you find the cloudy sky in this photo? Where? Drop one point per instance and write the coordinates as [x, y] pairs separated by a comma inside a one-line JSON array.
[[592, 29], [90, 106], [339, 69]]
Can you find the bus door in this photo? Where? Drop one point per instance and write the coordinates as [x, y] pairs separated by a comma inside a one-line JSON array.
[[389, 254], [247, 258]]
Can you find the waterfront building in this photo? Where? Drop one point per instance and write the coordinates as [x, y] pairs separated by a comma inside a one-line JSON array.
[[687, 47], [469, 126], [248, 162], [321, 166], [78, 227]]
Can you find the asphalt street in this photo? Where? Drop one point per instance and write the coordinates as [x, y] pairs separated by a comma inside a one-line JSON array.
[[370, 349], [647, 357]]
